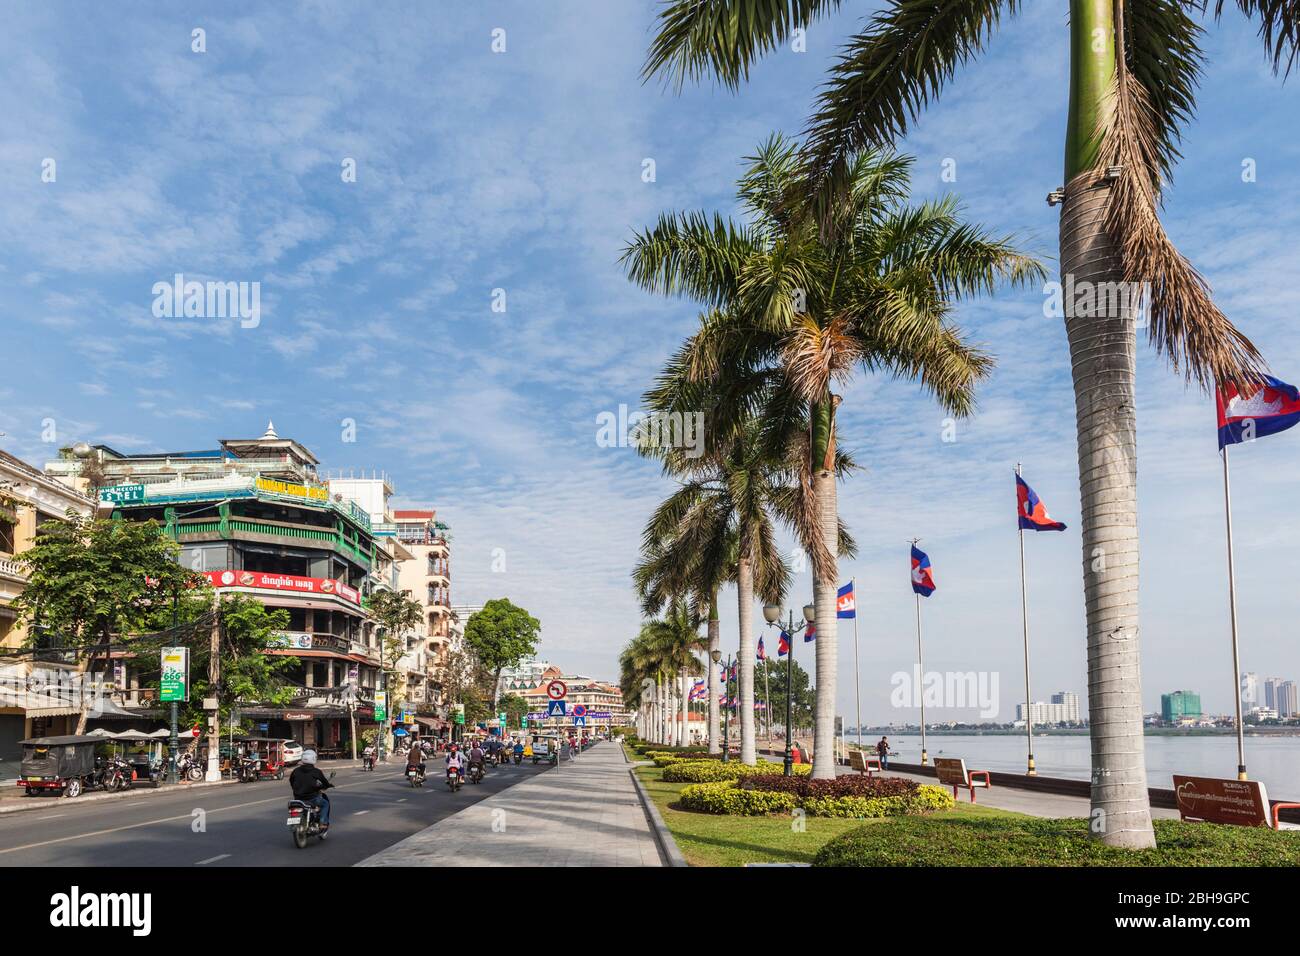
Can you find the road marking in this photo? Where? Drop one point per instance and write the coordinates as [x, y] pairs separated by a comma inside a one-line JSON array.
[[146, 823], [357, 813], [212, 859], [53, 816]]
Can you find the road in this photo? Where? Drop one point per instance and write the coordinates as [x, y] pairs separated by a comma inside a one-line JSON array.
[[240, 824]]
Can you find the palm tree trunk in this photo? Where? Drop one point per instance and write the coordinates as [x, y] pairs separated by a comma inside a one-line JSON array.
[[745, 599], [715, 642], [686, 709], [1103, 346], [824, 587]]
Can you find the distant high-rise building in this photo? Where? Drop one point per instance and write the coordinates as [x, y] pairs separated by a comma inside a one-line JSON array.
[[1249, 690], [1068, 701], [1288, 699], [1271, 685], [1179, 704], [1064, 709]]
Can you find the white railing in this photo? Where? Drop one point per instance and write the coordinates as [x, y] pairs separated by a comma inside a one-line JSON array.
[[12, 568]]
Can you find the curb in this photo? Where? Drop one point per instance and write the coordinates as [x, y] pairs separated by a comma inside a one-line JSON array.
[[668, 848], [45, 804]]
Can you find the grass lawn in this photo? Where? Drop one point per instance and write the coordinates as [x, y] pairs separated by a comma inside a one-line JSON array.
[[709, 840]]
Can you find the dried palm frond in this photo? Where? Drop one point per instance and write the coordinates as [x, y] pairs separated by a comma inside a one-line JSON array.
[[1185, 324], [815, 356]]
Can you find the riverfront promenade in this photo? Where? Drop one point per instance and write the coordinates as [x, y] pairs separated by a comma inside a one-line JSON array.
[[585, 812]]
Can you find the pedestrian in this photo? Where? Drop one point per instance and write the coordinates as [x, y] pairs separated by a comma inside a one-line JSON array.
[[882, 751]]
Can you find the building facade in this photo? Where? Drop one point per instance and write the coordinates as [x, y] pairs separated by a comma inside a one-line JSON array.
[[253, 517], [1180, 705], [28, 499]]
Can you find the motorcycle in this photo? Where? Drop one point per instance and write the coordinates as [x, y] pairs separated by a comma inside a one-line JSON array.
[[453, 779], [189, 768], [476, 773], [518, 758], [115, 775], [247, 771], [415, 775], [368, 760], [305, 820]]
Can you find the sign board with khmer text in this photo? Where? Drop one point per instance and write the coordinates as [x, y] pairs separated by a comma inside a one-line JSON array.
[[1243, 802], [175, 674]]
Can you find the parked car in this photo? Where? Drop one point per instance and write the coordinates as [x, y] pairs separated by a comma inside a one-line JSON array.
[[292, 752]]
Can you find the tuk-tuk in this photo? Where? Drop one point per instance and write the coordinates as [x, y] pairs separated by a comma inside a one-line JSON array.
[[260, 758], [65, 764]]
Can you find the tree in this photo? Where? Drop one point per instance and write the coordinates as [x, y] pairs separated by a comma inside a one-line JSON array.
[[90, 579], [805, 696], [515, 708], [397, 614], [1134, 68], [501, 635], [798, 306]]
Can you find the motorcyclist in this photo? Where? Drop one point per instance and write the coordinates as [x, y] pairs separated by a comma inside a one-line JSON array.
[[415, 758], [519, 750], [309, 785], [456, 759], [476, 756]]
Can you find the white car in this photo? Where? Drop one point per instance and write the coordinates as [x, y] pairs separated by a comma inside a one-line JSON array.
[[292, 751]]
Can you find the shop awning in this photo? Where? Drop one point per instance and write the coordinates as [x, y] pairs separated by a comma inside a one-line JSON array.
[[433, 723]]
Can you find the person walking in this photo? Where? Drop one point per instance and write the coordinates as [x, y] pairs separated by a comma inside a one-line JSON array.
[[882, 751]]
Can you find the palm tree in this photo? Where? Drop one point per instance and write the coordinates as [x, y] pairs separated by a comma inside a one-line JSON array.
[[672, 641], [719, 525], [797, 308], [1135, 65]]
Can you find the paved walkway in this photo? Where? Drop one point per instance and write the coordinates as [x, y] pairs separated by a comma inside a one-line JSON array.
[[584, 812]]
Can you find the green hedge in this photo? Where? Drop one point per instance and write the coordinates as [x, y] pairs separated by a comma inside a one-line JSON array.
[[1029, 841], [927, 799], [711, 771], [726, 798]]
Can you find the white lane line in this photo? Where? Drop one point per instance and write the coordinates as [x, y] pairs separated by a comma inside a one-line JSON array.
[[53, 816], [402, 800], [358, 813], [212, 859]]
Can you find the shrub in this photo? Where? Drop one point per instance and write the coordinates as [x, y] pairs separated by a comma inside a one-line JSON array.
[[663, 760], [726, 798], [856, 807], [706, 771], [929, 799], [1029, 841], [845, 786]]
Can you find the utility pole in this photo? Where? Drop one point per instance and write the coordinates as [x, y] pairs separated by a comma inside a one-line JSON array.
[[212, 703]]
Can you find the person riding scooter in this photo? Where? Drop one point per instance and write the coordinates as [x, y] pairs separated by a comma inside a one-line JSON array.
[[415, 759], [456, 759], [519, 751], [309, 786]]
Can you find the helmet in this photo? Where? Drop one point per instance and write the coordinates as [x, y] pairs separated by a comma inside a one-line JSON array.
[[309, 756], [453, 748]]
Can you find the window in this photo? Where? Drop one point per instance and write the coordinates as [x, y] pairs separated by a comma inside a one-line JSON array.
[[7, 530]]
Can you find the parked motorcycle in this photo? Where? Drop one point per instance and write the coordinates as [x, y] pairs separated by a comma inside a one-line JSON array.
[[189, 768], [305, 820]]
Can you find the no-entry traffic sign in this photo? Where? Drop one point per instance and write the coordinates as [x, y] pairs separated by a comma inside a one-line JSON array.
[[556, 690], [580, 710]]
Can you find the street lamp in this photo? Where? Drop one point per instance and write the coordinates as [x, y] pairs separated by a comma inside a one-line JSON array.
[[726, 710], [772, 614]]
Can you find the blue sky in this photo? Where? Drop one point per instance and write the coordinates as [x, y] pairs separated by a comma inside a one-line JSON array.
[[522, 171]]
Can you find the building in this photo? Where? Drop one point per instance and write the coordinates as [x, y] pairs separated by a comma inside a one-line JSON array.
[[1271, 686], [1063, 709], [602, 700], [1288, 700], [1179, 705], [1249, 691], [254, 518], [28, 499], [428, 577]]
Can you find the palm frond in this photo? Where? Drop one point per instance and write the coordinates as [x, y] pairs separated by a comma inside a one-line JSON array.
[[1279, 28]]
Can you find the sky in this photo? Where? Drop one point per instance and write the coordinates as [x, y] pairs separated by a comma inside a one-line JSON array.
[[500, 156]]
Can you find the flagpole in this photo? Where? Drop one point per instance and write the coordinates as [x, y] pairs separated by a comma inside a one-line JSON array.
[[920, 662], [1024, 617], [857, 678], [1232, 606]]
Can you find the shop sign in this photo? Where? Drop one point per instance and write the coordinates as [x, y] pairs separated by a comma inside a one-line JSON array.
[[122, 494], [283, 582], [272, 487]]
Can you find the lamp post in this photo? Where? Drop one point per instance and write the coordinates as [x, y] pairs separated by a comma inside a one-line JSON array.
[[726, 711], [772, 614]]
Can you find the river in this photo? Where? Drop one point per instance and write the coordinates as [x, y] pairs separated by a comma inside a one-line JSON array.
[[1274, 760]]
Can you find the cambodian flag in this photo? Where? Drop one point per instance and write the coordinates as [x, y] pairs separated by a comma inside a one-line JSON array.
[[762, 654], [1032, 512], [922, 578], [810, 633], [783, 645], [1255, 411], [846, 602]]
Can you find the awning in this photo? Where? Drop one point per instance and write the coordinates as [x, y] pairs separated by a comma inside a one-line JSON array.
[[431, 722]]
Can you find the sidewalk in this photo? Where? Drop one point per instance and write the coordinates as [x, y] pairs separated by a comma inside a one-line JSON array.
[[585, 812]]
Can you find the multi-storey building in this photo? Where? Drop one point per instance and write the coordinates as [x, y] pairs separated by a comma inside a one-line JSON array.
[[28, 499], [598, 697], [427, 575], [253, 517], [1180, 705], [1288, 699], [1068, 701], [1271, 686]]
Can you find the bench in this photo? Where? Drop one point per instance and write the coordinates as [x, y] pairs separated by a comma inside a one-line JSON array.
[[952, 772], [863, 762], [1239, 802]]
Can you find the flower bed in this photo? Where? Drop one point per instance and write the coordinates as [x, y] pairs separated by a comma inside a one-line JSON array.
[[726, 798], [712, 771], [742, 790], [844, 786]]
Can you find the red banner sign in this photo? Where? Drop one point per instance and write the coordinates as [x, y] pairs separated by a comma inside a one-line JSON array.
[[283, 582]]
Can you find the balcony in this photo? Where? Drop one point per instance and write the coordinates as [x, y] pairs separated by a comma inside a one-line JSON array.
[[275, 532], [12, 569]]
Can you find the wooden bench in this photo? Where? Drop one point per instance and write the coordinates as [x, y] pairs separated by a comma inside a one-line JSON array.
[[952, 772], [863, 762], [1239, 802]]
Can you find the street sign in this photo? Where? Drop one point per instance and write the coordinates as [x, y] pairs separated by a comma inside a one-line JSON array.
[[579, 710], [556, 690], [579, 721], [122, 494], [175, 674], [503, 718], [381, 706], [555, 709], [523, 723]]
